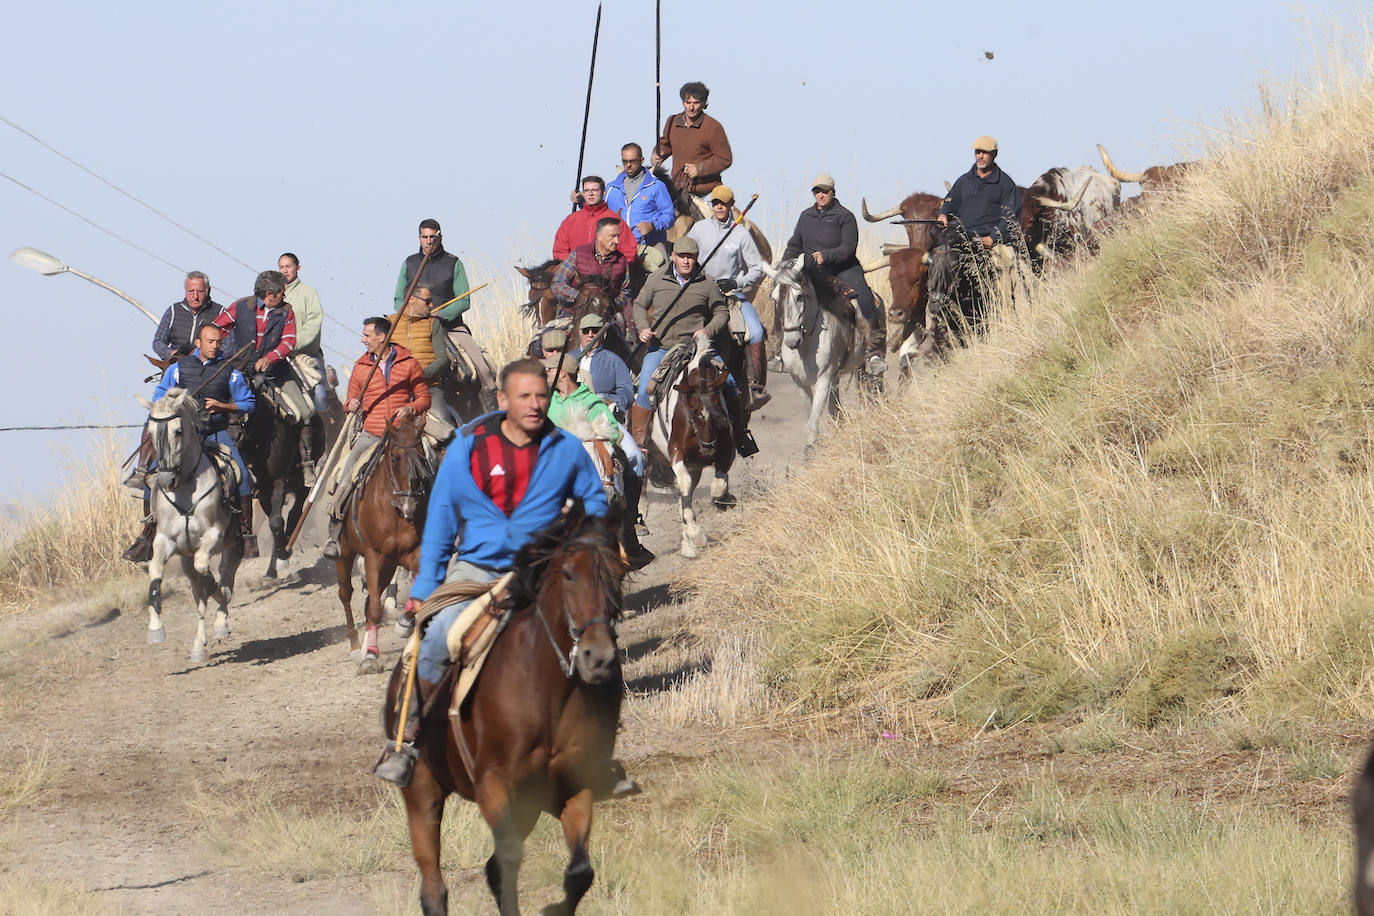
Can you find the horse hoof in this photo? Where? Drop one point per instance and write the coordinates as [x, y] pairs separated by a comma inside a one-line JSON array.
[[222, 631], [724, 503], [355, 655], [689, 550], [369, 665], [198, 656], [156, 636]]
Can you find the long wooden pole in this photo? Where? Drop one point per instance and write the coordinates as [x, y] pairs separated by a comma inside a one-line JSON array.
[[658, 70], [434, 311], [587, 109], [310, 500]]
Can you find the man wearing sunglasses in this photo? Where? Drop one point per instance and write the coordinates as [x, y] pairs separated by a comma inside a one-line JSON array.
[[644, 203]]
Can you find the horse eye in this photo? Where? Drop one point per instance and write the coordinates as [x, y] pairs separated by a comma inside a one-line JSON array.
[[567, 574]]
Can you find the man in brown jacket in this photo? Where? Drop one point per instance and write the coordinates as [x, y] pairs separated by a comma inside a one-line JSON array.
[[686, 305], [696, 143]]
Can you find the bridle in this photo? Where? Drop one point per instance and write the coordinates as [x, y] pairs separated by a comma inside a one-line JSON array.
[[416, 470], [161, 446], [796, 291], [568, 663]]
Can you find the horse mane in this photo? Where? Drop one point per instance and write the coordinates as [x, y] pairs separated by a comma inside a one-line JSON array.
[[545, 267], [826, 290], [572, 528]]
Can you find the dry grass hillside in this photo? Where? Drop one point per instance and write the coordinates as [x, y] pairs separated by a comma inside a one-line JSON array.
[[1150, 493]]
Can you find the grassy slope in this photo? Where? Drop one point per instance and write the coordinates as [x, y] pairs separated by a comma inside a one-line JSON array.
[[1150, 491]]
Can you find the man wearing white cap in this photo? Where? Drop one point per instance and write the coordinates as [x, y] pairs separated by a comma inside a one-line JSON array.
[[828, 236], [737, 268], [984, 199]]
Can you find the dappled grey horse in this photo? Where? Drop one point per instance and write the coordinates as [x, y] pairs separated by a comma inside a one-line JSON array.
[[816, 339], [193, 520]]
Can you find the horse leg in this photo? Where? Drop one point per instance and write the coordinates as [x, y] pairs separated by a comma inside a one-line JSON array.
[[577, 827], [720, 489], [509, 824], [156, 633], [277, 526], [424, 799], [379, 570], [693, 539], [344, 566], [199, 591]]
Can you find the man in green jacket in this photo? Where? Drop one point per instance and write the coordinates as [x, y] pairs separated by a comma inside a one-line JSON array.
[[307, 360], [686, 304], [571, 400]]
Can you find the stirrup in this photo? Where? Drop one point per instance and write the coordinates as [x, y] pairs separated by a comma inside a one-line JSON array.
[[875, 365], [397, 766], [746, 446], [758, 397]]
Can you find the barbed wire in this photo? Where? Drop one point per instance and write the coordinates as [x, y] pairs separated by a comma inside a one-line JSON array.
[[20, 429]]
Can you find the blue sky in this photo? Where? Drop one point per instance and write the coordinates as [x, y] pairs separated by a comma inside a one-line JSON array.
[[330, 130]]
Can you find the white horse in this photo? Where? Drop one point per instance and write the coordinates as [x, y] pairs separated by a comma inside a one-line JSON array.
[[192, 519], [816, 340], [691, 431]]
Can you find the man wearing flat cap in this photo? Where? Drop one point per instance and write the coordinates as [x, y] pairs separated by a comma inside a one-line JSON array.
[[984, 199], [828, 236], [686, 305], [737, 268]]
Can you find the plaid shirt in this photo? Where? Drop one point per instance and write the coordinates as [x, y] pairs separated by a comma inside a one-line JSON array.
[[567, 281], [261, 313]]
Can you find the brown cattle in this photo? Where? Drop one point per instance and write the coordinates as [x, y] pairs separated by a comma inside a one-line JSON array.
[[909, 266], [1153, 180]]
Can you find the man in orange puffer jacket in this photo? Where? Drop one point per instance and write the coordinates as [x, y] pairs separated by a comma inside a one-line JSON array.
[[395, 391]]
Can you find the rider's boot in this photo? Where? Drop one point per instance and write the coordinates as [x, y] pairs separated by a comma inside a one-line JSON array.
[[639, 426], [744, 440], [137, 477], [331, 546], [141, 550], [639, 555], [875, 344], [307, 445], [250, 541], [487, 396], [399, 767], [758, 377]]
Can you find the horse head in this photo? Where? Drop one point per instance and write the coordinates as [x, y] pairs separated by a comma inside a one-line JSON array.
[[571, 574], [592, 299], [405, 462], [792, 294], [540, 306], [172, 426]]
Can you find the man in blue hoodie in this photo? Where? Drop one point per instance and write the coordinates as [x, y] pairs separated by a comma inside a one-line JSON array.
[[503, 480], [644, 203]]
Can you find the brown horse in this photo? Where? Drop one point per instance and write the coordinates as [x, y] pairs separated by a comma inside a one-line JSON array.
[[541, 307], [383, 522], [538, 731], [690, 431]]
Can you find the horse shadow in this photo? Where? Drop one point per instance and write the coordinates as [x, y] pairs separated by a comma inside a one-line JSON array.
[[273, 649], [663, 681]]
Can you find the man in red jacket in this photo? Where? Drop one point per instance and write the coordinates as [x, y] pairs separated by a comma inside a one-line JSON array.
[[580, 227], [395, 391]]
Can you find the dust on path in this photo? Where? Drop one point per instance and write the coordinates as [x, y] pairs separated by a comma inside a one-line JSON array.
[[134, 733]]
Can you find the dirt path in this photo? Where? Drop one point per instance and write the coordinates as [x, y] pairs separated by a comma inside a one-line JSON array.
[[136, 737]]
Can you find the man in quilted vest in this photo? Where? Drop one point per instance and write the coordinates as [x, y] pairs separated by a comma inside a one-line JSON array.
[[600, 262], [396, 390], [423, 335]]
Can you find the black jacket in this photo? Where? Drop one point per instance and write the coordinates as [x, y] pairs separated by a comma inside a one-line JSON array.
[[986, 206], [832, 231]]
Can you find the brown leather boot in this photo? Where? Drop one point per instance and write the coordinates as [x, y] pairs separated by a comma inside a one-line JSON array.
[[250, 542], [639, 425], [141, 550], [758, 377]]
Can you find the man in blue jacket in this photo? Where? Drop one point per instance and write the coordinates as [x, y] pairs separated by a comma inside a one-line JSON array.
[[985, 199], [644, 203]]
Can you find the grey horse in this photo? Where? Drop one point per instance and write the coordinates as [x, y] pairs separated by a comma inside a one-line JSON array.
[[192, 519]]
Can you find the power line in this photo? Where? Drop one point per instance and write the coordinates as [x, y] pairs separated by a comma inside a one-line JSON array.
[[141, 203], [16, 429], [113, 235]]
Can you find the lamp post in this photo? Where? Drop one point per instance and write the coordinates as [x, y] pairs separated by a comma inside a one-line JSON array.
[[49, 266]]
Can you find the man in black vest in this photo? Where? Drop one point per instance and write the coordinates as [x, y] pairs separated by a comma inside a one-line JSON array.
[[220, 395], [176, 332], [265, 320], [446, 279]]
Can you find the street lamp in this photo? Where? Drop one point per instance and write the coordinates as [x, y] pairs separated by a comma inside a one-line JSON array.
[[49, 266]]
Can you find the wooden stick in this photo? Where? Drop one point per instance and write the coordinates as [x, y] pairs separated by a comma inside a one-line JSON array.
[[414, 644], [435, 310]]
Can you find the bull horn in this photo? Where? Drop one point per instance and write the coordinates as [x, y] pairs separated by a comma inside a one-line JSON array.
[[1116, 172], [890, 247], [886, 214], [1064, 205], [879, 264], [925, 258]]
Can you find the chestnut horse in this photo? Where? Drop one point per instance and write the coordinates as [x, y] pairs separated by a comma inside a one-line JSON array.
[[541, 307], [538, 730], [383, 522]]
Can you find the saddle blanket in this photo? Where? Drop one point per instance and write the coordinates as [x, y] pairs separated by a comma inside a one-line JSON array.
[[230, 478], [472, 633]]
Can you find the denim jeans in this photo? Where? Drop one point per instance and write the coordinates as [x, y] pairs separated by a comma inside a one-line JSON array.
[[434, 660]]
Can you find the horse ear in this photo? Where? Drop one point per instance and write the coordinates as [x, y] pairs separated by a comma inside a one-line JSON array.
[[769, 270], [797, 264], [147, 404], [522, 271]]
